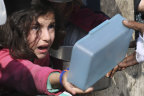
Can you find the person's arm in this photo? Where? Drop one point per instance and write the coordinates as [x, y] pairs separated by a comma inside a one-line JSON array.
[[133, 58], [134, 25], [55, 81], [23, 75]]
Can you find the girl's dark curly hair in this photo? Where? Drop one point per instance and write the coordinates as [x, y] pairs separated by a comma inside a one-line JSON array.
[[14, 33]]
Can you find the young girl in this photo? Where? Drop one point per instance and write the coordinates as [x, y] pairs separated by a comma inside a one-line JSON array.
[[24, 44]]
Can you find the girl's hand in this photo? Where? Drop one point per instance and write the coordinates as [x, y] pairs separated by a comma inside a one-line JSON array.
[[73, 89]]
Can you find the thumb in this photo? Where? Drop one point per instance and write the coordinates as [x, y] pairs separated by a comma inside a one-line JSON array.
[[134, 25]]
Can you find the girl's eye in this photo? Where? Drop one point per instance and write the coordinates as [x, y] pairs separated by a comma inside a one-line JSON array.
[[51, 26], [35, 27]]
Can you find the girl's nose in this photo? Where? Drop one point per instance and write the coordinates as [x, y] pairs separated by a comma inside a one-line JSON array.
[[45, 36]]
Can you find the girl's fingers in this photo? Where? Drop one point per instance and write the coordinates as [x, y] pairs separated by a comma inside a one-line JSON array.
[[70, 88], [74, 90], [89, 90]]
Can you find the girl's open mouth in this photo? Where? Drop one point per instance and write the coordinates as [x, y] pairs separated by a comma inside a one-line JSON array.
[[43, 49]]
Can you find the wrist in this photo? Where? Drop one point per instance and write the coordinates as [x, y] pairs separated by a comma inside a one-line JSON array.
[[54, 80], [53, 84], [61, 75]]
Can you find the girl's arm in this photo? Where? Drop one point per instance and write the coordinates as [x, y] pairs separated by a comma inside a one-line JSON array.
[[23, 75]]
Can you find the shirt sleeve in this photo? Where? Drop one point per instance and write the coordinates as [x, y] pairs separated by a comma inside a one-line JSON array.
[[24, 76], [140, 49]]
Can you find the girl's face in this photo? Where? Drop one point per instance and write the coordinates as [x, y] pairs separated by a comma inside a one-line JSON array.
[[42, 34]]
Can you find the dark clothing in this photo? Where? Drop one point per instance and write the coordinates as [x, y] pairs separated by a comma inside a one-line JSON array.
[[87, 19], [93, 4], [16, 5], [136, 3]]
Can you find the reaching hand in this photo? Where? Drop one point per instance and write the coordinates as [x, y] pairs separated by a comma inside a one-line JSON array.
[[131, 59], [112, 72], [128, 61], [134, 25], [71, 88]]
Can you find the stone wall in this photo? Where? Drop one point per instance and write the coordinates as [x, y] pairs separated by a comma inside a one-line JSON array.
[[124, 7]]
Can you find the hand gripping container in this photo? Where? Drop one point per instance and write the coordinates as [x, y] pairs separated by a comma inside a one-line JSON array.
[[99, 52]]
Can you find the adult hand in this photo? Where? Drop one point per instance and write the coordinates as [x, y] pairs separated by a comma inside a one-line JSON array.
[[134, 25], [73, 89], [131, 59], [128, 61], [112, 72]]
